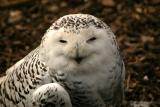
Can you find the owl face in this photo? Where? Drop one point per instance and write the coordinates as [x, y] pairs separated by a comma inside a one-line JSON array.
[[73, 47]]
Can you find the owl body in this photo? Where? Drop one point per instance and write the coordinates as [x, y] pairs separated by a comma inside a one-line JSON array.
[[76, 65], [21, 80]]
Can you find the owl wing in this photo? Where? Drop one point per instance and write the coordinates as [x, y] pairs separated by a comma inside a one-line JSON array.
[[22, 79], [51, 95]]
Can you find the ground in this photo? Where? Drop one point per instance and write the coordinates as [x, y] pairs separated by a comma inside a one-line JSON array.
[[136, 24]]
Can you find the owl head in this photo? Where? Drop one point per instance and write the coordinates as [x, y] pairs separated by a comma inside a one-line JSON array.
[[78, 40]]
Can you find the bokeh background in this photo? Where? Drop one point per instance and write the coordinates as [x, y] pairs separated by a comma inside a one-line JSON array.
[[136, 24]]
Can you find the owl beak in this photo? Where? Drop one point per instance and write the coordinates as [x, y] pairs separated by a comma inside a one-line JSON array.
[[78, 59]]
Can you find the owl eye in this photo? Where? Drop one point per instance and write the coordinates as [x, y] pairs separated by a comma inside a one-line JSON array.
[[91, 39], [63, 41]]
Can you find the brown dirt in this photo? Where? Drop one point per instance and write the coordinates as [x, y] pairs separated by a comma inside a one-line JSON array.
[[136, 24]]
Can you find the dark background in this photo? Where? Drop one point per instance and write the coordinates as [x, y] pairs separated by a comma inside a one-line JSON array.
[[136, 23]]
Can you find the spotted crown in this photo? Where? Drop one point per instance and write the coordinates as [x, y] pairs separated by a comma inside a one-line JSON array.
[[75, 22]]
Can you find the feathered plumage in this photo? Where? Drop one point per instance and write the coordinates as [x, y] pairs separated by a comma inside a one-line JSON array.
[[76, 65]]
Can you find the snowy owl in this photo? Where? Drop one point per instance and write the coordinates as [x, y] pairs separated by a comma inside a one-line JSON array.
[[77, 64]]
